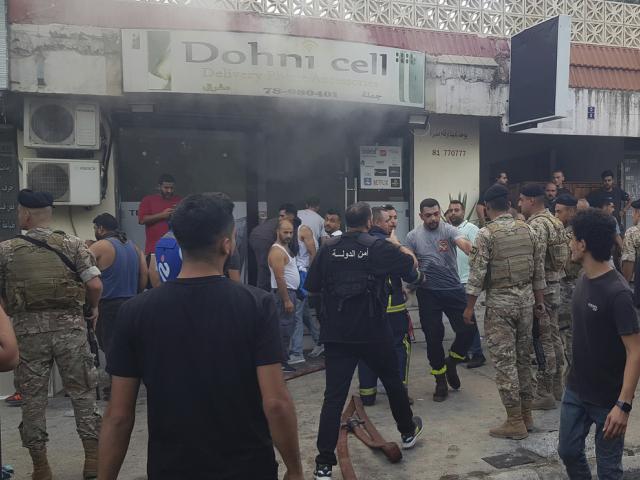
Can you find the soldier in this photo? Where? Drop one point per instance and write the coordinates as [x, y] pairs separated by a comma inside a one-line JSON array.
[[45, 276], [631, 250], [566, 209], [508, 261], [550, 232]]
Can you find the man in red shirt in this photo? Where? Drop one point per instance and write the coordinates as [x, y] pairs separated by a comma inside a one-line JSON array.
[[155, 210]]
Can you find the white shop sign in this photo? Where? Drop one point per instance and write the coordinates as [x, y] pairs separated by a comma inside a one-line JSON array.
[[227, 63]]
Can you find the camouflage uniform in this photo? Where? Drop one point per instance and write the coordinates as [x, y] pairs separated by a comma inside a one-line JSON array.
[[551, 234], [565, 320], [52, 329], [631, 245], [508, 262]]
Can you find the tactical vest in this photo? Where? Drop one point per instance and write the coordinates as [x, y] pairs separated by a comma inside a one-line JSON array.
[[38, 280], [512, 261], [349, 276], [557, 246]]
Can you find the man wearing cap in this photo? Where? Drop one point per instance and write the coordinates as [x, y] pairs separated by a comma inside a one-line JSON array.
[[507, 261], [566, 208], [46, 276], [551, 234], [631, 251]]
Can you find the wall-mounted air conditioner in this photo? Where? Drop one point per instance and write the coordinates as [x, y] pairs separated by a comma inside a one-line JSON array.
[[71, 182], [61, 124]]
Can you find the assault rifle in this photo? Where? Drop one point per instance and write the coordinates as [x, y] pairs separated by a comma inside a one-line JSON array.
[[93, 344], [537, 345]]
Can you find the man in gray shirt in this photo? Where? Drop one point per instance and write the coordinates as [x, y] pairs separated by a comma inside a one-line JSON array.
[[434, 244]]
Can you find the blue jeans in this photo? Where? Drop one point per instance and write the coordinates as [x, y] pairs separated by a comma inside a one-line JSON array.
[[576, 418], [303, 317], [476, 346]]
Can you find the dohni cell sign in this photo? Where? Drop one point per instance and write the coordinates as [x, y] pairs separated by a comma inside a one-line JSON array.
[[381, 168], [227, 63]]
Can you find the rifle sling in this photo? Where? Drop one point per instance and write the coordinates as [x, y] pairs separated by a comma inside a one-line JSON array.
[[70, 265]]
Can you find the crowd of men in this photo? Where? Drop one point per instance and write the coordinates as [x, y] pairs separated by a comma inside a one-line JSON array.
[[560, 322]]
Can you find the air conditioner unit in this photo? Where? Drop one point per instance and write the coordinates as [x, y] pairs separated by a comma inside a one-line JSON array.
[[71, 182], [61, 124]]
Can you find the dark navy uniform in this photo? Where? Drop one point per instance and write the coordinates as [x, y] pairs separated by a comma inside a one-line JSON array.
[[398, 318], [350, 272]]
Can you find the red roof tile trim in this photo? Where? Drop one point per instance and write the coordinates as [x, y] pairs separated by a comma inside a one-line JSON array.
[[606, 68]]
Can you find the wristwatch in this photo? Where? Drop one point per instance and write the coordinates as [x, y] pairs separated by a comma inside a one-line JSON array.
[[624, 406]]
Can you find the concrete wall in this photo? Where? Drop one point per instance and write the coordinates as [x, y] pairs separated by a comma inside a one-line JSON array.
[[467, 86], [446, 161], [65, 59], [615, 115], [76, 220]]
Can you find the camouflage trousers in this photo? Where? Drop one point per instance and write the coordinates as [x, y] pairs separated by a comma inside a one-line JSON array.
[[508, 333], [550, 335], [565, 323], [70, 350]]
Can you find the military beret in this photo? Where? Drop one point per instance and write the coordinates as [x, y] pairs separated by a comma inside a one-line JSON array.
[[532, 190], [599, 201], [495, 191], [30, 199], [567, 200], [636, 204]]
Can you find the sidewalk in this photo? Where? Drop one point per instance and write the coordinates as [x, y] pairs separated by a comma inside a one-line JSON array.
[[453, 446]]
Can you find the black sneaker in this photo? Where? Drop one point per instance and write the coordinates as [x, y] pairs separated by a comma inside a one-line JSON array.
[[452, 374], [322, 472], [409, 440], [477, 361], [286, 368]]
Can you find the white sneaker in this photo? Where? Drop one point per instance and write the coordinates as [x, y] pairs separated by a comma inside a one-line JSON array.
[[295, 359], [317, 351]]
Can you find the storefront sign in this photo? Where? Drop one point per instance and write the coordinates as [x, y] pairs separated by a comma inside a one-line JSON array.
[[226, 63], [381, 168]]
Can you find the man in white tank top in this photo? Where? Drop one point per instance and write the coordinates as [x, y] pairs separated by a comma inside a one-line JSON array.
[[308, 247], [285, 281]]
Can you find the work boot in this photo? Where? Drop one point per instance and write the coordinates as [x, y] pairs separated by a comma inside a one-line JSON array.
[[527, 417], [442, 390], [513, 428], [452, 373], [544, 400], [90, 469], [558, 387], [41, 469]]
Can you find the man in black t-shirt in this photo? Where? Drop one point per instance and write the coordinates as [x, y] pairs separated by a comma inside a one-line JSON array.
[[609, 190], [216, 339], [606, 353]]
